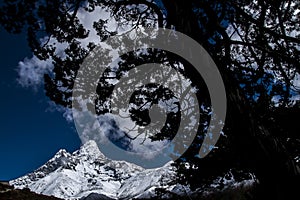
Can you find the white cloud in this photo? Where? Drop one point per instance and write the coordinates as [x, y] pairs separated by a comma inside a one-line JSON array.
[[66, 112], [31, 71]]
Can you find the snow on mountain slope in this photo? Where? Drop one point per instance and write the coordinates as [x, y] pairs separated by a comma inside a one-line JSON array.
[[144, 184], [88, 174], [79, 174]]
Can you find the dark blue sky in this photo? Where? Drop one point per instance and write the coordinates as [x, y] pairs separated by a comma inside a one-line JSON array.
[[29, 134]]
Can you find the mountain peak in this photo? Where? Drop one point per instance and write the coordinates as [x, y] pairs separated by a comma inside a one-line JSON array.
[[90, 149], [90, 144]]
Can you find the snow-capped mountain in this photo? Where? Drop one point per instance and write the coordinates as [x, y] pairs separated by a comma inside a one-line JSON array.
[[78, 174], [88, 174]]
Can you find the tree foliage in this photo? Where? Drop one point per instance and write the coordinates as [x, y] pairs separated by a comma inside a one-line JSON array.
[[255, 45]]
